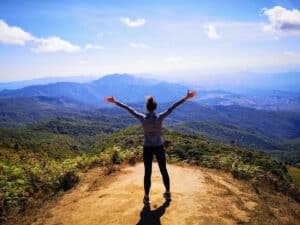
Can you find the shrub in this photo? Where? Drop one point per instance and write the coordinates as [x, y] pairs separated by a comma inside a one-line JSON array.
[[246, 171], [68, 180]]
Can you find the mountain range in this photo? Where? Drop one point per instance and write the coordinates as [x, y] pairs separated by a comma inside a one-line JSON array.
[[41, 81], [122, 86], [133, 89], [216, 114]]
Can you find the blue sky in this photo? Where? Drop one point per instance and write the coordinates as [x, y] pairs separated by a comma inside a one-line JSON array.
[[178, 40]]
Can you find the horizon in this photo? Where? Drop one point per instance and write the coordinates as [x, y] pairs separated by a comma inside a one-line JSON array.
[[169, 40], [245, 84]]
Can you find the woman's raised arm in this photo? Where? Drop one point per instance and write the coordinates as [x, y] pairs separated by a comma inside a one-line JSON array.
[[190, 94], [136, 114]]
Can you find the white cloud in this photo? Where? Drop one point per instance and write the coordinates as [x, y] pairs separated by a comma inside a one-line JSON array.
[[138, 45], [282, 20], [211, 32], [17, 36], [13, 35], [54, 44], [133, 23], [91, 46], [174, 59]]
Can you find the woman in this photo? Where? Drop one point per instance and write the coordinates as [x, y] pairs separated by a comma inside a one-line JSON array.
[[153, 142]]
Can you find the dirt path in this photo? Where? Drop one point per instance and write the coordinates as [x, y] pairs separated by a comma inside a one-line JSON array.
[[200, 196]]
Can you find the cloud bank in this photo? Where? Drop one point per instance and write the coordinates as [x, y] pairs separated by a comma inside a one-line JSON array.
[[54, 44], [13, 35], [282, 20], [17, 36]]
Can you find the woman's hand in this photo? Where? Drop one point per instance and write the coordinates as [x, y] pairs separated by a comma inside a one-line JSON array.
[[110, 99], [190, 94]]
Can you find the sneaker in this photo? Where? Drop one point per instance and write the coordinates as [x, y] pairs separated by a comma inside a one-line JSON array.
[[146, 199], [167, 196]]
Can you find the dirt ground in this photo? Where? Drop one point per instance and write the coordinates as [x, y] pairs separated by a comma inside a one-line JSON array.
[[199, 196]]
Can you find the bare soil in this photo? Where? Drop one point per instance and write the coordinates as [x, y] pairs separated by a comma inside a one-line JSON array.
[[199, 196]]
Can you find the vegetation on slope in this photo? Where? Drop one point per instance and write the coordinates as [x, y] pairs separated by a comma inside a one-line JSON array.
[[21, 111], [84, 125], [225, 133], [90, 125], [271, 132], [36, 164], [229, 134]]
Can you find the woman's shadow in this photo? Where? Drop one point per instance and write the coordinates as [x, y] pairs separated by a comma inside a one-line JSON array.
[[152, 217]]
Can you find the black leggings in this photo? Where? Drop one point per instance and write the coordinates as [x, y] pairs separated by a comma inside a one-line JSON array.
[[159, 152]]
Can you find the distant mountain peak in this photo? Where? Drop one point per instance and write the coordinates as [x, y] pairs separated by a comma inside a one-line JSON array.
[[117, 76]]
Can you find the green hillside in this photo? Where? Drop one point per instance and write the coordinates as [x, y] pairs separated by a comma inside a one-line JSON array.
[[274, 133], [21, 111], [90, 125], [243, 137], [37, 163], [226, 134]]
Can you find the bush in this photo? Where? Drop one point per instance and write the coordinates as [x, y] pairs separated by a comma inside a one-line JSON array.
[[245, 172], [27, 177], [68, 180]]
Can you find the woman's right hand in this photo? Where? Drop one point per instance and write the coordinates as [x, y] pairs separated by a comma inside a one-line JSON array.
[[190, 94], [110, 99]]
